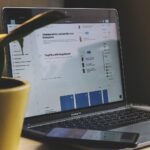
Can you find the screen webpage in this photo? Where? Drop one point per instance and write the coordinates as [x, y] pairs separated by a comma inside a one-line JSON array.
[[69, 66]]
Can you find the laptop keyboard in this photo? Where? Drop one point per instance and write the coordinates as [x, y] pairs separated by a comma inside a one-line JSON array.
[[105, 121]]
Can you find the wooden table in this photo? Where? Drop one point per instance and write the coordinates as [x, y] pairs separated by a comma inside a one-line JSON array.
[[27, 144]]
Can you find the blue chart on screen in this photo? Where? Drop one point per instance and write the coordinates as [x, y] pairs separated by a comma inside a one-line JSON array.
[[105, 96], [67, 102], [95, 98], [81, 100]]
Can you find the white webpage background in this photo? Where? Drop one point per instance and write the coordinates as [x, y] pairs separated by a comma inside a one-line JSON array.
[[51, 62]]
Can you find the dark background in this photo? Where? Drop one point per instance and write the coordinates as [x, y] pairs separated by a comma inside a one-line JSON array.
[[135, 35]]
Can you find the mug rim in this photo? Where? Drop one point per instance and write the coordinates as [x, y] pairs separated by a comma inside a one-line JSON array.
[[15, 84]]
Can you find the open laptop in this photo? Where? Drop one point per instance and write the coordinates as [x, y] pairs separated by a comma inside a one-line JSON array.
[[76, 73]]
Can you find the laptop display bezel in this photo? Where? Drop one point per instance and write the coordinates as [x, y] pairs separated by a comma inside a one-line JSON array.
[[24, 14]]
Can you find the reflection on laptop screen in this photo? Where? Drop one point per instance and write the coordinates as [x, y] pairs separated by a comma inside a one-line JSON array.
[[70, 65]]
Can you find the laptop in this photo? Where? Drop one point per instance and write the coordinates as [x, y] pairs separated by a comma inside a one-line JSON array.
[[75, 69]]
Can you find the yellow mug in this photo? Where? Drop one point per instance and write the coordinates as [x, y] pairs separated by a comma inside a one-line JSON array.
[[13, 101]]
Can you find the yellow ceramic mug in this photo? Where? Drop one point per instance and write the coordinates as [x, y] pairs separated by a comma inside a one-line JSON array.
[[13, 100]]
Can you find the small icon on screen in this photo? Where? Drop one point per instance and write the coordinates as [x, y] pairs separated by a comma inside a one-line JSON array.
[[12, 21]]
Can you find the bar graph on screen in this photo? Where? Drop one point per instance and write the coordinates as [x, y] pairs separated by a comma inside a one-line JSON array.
[[82, 100]]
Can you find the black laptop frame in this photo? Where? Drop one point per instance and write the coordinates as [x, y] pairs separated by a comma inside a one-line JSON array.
[[21, 15]]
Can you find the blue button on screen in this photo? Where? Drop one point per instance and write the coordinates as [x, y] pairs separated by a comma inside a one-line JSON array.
[[82, 100], [67, 102]]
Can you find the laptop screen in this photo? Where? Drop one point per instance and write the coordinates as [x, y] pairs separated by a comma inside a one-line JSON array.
[[72, 64]]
